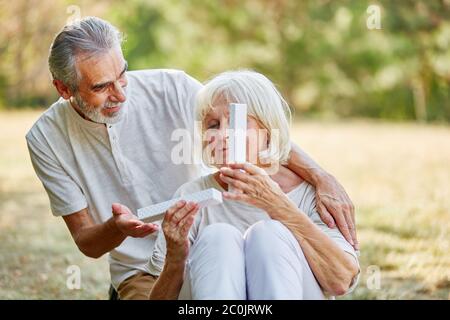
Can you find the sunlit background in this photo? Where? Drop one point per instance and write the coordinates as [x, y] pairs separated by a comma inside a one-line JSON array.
[[369, 84]]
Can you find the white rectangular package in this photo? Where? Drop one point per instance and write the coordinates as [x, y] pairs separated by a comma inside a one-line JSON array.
[[237, 140], [156, 211], [237, 137]]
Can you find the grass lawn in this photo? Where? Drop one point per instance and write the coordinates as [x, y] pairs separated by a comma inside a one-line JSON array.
[[398, 176]]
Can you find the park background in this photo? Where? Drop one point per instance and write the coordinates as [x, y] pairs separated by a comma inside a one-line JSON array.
[[369, 86]]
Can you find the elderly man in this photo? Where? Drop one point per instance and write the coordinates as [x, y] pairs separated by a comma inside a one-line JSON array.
[[107, 142]]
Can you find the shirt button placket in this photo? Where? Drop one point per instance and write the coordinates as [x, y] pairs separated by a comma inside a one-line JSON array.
[[117, 155]]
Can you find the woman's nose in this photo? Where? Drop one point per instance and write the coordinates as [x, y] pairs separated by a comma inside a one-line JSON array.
[[224, 135]]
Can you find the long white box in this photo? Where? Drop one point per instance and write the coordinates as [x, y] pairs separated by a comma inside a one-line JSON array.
[[237, 137], [156, 212]]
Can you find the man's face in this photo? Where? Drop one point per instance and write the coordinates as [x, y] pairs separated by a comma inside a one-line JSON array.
[[101, 90]]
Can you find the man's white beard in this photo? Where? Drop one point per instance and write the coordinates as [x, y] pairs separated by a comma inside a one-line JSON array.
[[95, 113]]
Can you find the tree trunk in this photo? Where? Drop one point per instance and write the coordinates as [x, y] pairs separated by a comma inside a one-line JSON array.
[[420, 106]]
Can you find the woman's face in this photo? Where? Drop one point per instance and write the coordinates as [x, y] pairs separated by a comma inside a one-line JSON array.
[[215, 138]]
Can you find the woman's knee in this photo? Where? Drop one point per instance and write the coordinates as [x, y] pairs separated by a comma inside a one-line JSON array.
[[268, 237], [262, 230], [220, 235]]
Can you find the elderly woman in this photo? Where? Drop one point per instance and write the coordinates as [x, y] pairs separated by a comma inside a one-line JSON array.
[[266, 240]]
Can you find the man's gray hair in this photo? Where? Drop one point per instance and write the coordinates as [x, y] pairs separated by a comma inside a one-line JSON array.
[[89, 35]]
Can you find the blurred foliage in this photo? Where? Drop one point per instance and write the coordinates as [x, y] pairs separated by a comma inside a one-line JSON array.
[[321, 54]]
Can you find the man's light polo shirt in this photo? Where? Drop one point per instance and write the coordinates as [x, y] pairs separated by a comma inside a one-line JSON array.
[[85, 164]]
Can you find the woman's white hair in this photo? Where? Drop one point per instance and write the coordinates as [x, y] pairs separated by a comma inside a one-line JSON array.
[[264, 103]]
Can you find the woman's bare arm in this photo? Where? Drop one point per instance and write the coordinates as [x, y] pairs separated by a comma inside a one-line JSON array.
[[177, 222], [333, 203]]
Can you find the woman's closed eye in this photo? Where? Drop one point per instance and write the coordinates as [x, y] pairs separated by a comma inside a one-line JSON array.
[[213, 125]]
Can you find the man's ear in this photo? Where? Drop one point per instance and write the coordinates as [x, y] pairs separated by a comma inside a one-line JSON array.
[[62, 89]]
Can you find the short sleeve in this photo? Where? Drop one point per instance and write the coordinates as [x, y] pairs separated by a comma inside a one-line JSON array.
[[190, 89], [158, 256], [64, 194]]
